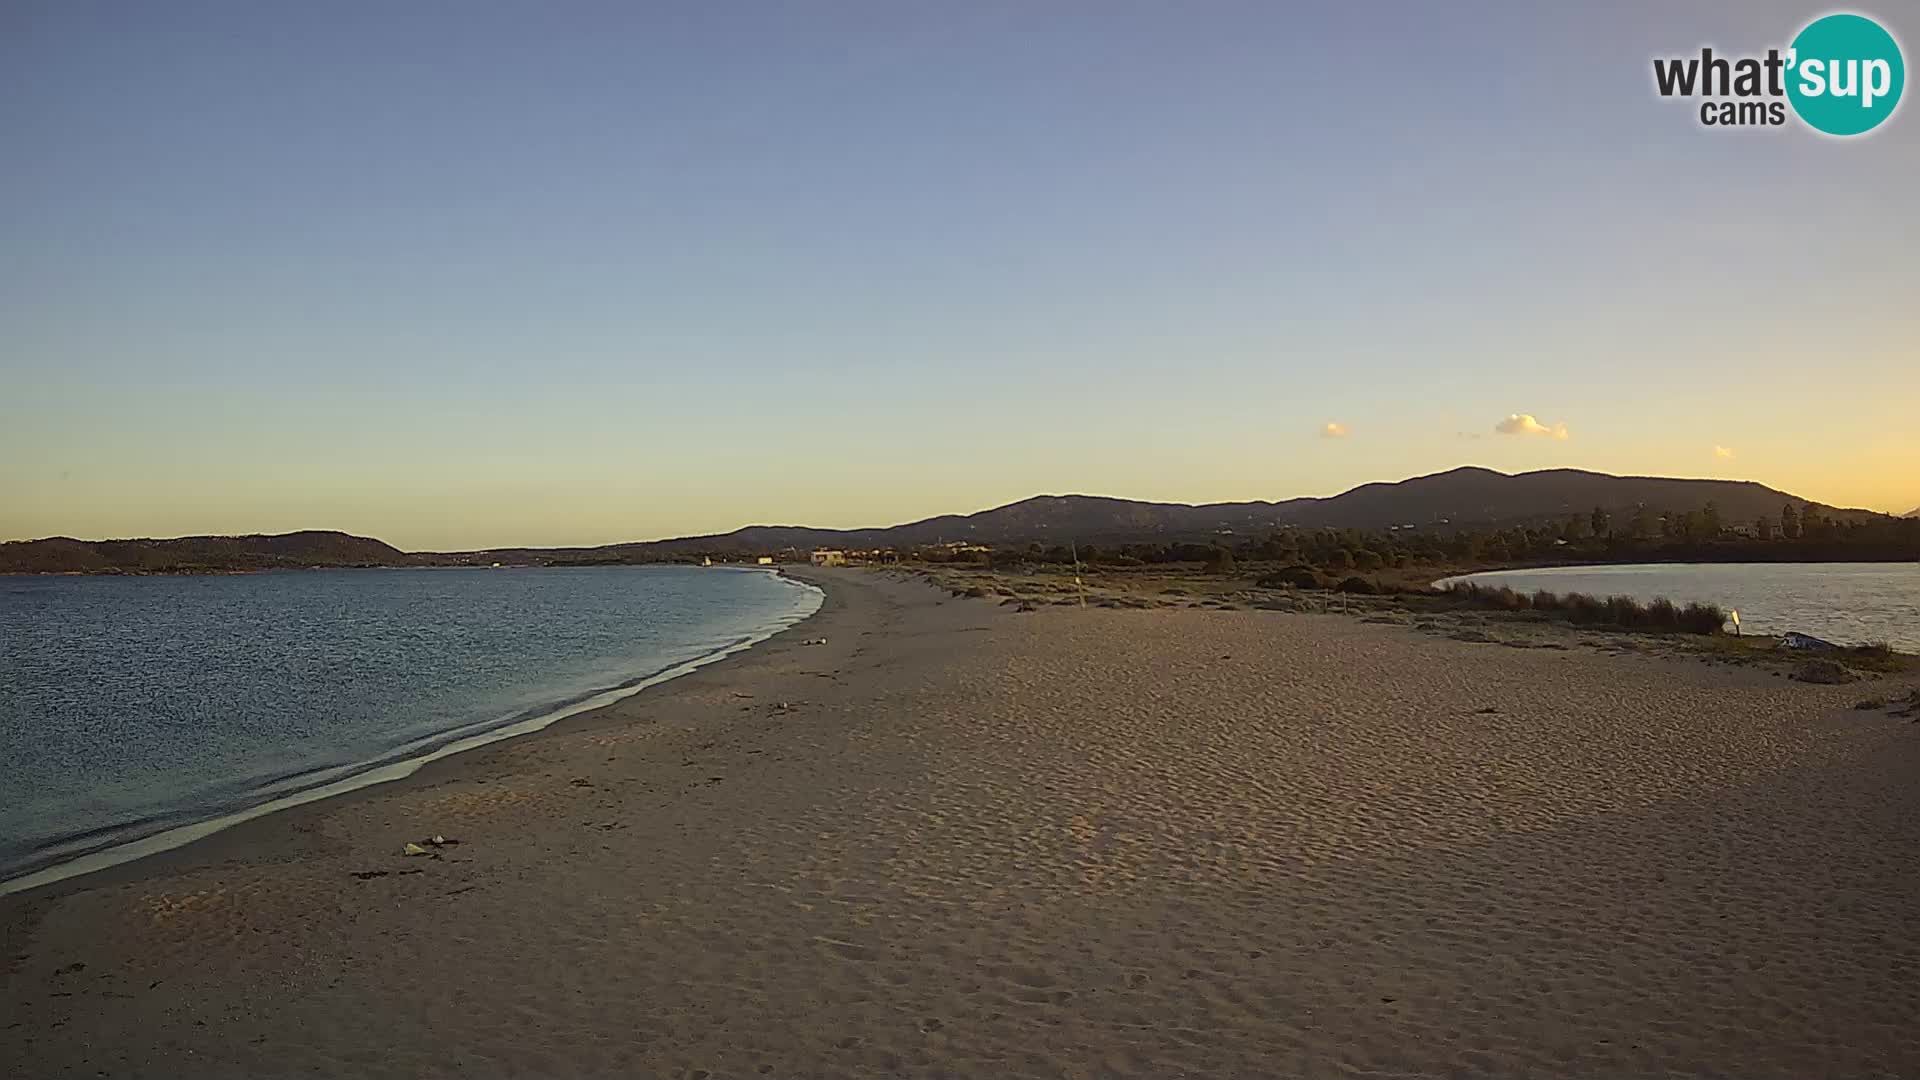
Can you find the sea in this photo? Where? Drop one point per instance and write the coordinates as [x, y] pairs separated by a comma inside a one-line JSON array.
[[138, 713], [1846, 603]]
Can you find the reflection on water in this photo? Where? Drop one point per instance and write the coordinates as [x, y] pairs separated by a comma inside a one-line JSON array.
[[1850, 603]]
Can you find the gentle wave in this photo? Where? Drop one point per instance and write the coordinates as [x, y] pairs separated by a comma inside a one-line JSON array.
[[86, 850]]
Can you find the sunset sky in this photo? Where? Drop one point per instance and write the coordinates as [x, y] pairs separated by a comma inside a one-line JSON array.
[[478, 274]]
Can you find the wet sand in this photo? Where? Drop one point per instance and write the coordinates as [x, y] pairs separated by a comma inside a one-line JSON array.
[[957, 840]]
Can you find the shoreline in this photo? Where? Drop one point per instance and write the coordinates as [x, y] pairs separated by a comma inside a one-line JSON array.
[[378, 773], [963, 840]]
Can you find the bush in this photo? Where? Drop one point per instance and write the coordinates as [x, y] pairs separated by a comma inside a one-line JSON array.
[[1702, 619], [1219, 561], [1495, 597], [1625, 611], [1297, 576], [1358, 585], [1582, 608], [1620, 611]]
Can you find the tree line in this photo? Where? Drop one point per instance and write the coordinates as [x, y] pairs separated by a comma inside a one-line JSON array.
[[1804, 533]]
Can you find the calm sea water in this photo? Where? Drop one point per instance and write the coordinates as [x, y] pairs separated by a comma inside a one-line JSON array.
[[1848, 603], [132, 706]]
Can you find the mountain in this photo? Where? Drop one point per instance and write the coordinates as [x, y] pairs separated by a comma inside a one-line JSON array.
[[1458, 497], [1475, 496], [1915, 512], [294, 550]]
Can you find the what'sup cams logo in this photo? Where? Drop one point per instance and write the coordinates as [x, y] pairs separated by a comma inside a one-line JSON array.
[[1842, 75]]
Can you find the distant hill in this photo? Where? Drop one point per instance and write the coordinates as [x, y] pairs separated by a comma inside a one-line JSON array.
[[1475, 496], [1915, 512], [188, 554], [1458, 497], [1453, 499]]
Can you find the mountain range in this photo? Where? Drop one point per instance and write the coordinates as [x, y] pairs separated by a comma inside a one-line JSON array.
[[1457, 498], [1460, 497]]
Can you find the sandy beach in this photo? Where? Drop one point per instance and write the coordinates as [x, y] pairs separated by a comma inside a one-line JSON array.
[[960, 840]]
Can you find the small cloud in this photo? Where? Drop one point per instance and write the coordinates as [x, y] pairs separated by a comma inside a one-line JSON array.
[[1333, 429], [1525, 424], [1723, 452]]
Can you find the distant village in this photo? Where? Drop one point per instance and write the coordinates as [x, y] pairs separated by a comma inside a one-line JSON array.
[[856, 556]]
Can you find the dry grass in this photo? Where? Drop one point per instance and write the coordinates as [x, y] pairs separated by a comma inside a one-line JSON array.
[[1620, 612], [1523, 620]]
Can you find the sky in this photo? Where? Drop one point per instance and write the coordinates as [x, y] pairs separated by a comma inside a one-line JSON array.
[[474, 274]]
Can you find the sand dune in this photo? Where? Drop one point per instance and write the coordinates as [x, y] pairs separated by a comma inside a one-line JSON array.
[[961, 841]]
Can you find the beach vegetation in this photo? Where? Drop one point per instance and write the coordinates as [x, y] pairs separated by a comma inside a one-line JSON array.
[[1878, 657], [1297, 576], [1621, 612]]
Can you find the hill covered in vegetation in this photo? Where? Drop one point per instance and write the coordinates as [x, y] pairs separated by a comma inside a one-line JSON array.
[[1459, 499], [198, 554]]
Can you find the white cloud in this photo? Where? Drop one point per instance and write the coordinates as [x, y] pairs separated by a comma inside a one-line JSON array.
[[1333, 429], [1525, 424], [1723, 452]]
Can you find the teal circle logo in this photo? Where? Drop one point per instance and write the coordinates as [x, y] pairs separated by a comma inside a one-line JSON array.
[[1845, 74]]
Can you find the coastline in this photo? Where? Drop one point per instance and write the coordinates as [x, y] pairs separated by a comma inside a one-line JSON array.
[[374, 774], [962, 840]]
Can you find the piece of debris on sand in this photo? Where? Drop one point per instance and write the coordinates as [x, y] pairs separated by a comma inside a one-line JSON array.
[[428, 847]]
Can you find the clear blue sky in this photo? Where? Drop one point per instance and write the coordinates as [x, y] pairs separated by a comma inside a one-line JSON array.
[[472, 274]]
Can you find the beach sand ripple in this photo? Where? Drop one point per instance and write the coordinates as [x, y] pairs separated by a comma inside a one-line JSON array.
[[961, 841]]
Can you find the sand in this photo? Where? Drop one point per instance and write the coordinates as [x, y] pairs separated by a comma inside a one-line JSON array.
[[958, 840]]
